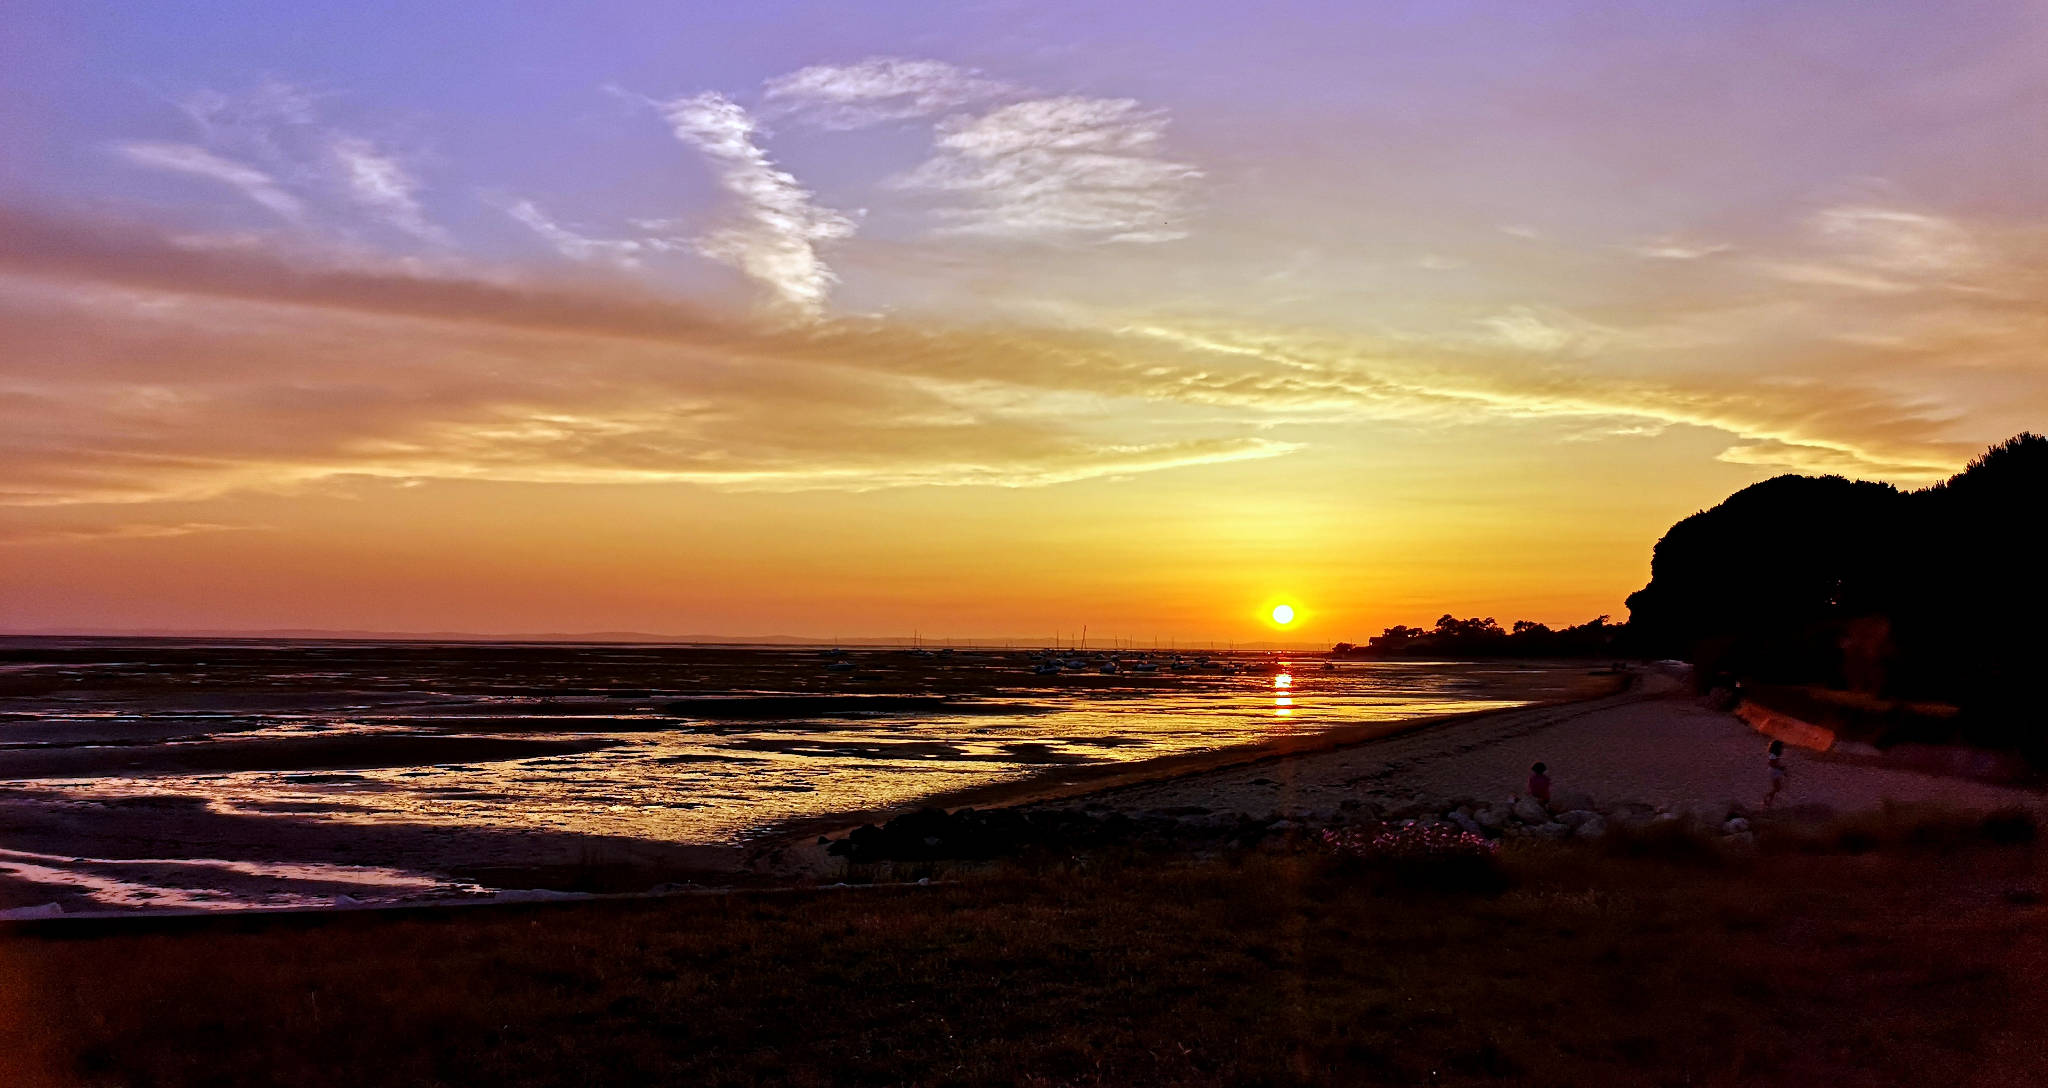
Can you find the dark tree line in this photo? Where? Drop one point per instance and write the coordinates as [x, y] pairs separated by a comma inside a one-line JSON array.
[[1453, 637]]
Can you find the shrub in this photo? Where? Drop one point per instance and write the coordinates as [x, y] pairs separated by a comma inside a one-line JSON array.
[[2010, 827], [1668, 841], [1419, 858], [1896, 826]]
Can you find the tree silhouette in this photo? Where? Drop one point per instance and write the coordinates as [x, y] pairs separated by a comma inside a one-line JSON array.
[[1937, 594], [1483, 637]]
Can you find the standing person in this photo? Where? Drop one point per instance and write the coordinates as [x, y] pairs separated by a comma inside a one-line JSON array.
[[1539, 783], [1777, 772]]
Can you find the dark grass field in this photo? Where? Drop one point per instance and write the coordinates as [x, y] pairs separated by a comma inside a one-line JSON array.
[[1853, 961]]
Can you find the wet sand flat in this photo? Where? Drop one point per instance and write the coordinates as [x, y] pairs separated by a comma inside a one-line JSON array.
[[278, 754], [140, 761]]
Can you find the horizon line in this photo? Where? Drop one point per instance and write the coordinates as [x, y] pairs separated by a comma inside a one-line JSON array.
[[876, 641]]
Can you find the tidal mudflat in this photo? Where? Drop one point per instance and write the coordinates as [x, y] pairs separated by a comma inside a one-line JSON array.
[[143, 773]]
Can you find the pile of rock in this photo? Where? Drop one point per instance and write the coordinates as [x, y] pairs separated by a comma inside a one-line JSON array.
[[932, 834], [1574, 816], [968, 834]]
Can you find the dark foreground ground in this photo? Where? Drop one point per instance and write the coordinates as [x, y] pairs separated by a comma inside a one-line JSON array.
[[1868, 962]]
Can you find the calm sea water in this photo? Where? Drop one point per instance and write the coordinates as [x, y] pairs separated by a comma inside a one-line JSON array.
[[707, 745]]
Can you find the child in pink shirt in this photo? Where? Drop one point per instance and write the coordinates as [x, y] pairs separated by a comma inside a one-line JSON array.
[[1539, 783]]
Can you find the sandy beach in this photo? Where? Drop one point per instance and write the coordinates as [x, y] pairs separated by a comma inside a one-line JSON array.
[[1653, 743]]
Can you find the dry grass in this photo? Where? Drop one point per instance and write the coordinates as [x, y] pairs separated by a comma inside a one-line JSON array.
[[1912, 964]]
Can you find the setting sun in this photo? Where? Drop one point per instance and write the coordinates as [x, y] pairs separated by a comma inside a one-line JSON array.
[[1283, 614]]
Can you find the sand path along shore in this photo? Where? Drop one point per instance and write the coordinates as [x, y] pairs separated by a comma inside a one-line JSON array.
[[1653, 743]]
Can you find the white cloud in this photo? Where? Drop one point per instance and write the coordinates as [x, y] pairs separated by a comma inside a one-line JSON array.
[[262, 372], [1545, 331], [1825, 274], [1898, 241], [251, 120], [119, 532], [269, 143], [380, 183], [1671, 248], [1812, 425], [876, 91], [1821, 457], [1058, 168], [575, 246], [776, 237], [198, 162], [1883, 251], [256, 379]]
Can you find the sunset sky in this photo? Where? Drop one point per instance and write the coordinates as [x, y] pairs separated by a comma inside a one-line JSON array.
[[983, 320]]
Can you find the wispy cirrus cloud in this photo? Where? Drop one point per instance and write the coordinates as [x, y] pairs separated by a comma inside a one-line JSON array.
[[145, 371], [269, 144], [778, 227], [119, 531], [1801, 425], [1545, 331], [1675, 248], [288, 375], [254, 118], [1881, 250], [1050, 169], [1023, 168], [193, 161], [876, 91], [625, 252], [1831, 460], [1007, 162], [378, 181], [1899, 240]]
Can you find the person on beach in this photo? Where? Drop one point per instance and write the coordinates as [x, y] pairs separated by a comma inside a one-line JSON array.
[[1777, 772], [1539, 782]]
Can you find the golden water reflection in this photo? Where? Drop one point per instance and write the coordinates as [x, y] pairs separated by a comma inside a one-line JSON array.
[[722, 781]]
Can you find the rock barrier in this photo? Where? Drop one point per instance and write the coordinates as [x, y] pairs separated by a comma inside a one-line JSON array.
[[934, 834]]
